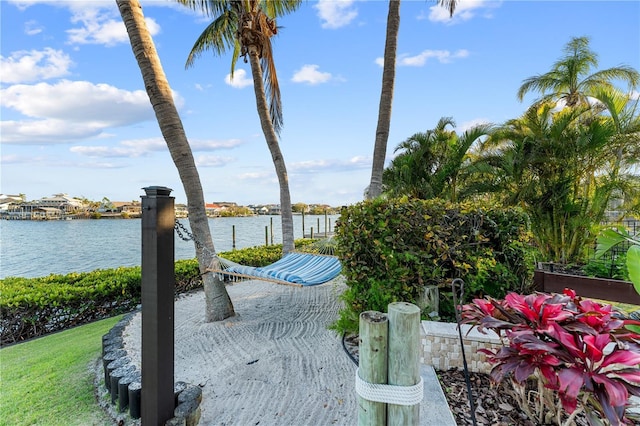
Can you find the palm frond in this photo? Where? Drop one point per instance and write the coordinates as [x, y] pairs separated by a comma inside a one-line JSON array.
[[218, 36]]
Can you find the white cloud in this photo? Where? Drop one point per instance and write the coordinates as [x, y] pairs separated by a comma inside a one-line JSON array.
[[213, 145], [240, 79], [310, 74], [100, 22], [101, 27], [36, 132], [258, 176], [213, 161], [336, 13], [132, 148], [70, 110], [109, 32], [465, 10], [25, 66], [32, 28], [442, 56], [634, 95], [315, 166]]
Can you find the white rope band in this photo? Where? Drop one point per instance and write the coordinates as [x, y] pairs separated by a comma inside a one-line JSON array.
[[390, 394]]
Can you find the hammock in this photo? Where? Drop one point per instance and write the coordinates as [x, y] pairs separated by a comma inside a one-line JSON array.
[[299, 269]]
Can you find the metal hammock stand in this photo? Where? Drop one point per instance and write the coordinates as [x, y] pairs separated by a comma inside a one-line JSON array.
[[300, 269]]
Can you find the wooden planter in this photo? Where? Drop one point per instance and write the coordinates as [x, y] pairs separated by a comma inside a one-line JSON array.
[[596, 288]]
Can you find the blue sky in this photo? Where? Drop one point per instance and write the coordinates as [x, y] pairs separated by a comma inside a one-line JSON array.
[[75, 118]]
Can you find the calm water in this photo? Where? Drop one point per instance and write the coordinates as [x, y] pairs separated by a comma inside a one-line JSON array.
[[38, 248]]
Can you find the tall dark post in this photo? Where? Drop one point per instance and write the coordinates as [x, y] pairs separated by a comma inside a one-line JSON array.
[[158, 282]]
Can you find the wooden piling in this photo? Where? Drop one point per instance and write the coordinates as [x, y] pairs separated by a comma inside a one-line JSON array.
[[325, 223], [266, 235], [372, 364], [404, 359], [233, 237]]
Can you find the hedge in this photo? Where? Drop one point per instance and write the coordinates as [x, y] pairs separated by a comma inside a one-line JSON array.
[[391, 249], [33, 307]]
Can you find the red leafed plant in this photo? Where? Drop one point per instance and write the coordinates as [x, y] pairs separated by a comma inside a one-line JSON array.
[[579, 352]]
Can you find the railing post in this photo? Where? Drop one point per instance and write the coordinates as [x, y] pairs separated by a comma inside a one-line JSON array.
[[372, 366], [404, 359], [158, 282]]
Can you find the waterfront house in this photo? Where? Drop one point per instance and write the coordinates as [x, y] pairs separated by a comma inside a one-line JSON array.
[[63, 202]]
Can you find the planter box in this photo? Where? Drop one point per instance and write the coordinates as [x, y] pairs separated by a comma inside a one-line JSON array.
[[596, 288], [441, 346]]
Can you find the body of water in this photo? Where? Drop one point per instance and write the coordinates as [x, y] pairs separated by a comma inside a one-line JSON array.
[[38, 248]]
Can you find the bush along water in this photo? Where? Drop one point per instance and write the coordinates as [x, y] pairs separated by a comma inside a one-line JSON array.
[[392, 249], [563, 356], [33, 307]]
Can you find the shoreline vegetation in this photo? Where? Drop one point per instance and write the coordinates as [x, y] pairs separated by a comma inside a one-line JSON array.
[[34, 307]]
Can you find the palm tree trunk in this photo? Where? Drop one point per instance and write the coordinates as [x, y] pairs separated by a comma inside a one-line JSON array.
[[386, 99], [218, 303], [274, 148]]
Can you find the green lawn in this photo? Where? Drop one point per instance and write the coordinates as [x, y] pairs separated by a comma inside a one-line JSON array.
[[49, 380]]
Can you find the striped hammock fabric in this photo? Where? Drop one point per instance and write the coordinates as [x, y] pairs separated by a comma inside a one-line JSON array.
[[300, 269]]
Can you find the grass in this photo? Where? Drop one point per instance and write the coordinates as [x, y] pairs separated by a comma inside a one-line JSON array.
[[49, 380]]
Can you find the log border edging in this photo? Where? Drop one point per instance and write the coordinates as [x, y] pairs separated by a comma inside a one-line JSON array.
[[126, 409]]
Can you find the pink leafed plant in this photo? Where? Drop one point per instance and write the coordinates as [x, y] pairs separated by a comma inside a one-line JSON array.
[[577, 353]]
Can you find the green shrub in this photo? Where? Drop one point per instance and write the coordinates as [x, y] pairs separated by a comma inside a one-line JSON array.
[[34, 307], [615, 268], [391, 249]]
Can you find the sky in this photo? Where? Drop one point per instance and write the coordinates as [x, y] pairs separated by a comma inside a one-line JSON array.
[[75, 118]]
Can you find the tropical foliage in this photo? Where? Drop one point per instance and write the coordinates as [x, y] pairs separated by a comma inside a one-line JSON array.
[[392, 249], [564, 161], [611, 237], [552, 163], [429, 163], [33, 307], [579, 354], [569, 79]]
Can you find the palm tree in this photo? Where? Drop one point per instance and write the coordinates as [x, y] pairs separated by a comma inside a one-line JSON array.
[[569, 79], [386, 95], [551, 163], [246, 27], [218, 303], [431, 162], [386, 100]]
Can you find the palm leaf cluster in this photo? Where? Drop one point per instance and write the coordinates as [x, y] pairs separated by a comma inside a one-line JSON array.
[[239, 26]]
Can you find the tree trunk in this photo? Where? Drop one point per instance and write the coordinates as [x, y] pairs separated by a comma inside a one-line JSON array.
[[274, 148], [218, 303], [386, 99]]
